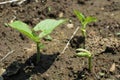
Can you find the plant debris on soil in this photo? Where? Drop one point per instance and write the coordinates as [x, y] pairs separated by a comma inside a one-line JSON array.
[[101, 40]]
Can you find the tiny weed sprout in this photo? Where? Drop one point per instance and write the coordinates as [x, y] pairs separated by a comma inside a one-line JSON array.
[[85, 53], [45, 27], [118, 33], [84, 21]]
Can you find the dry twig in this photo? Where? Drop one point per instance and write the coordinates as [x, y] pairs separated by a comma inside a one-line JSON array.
[[11, 1], [70, 40], [19, 3], [7, 55]]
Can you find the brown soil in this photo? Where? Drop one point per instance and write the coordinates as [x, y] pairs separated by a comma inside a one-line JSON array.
[[101, 41]]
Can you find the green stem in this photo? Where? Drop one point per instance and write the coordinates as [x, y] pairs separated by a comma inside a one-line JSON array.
[[84, 36], [83, 31], [84, 42], [90, 63], [38, 51]]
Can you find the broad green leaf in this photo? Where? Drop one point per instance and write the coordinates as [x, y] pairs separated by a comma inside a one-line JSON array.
[[79, 15], [89, 20], [24, 29], [83, 54], [47, 26], [42, 34]]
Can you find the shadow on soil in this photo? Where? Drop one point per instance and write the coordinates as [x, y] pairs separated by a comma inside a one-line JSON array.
[[113, 50], [81, 75], [77, 42], [23, 71]]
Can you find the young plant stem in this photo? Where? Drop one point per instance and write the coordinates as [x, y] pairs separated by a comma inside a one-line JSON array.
[[83, 31], [70, 39], [84, 42], [38, 51], [90, 63]]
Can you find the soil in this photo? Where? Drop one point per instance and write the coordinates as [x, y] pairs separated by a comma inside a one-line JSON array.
[[101, 40]]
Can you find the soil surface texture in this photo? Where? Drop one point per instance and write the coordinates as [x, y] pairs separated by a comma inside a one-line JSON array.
[[101, 41]]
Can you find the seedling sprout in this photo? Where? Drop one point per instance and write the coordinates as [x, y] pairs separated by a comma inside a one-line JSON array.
[[46, 27], [118, 33], [85, 53], [84, 21]]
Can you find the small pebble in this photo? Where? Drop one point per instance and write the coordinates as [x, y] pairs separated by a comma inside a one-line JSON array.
[[61, 14], [112, 69], [70, 26], [102, 8]]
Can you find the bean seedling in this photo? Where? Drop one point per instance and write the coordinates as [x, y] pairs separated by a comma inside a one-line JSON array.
[[46, 27], [84, 21], [85, 53]]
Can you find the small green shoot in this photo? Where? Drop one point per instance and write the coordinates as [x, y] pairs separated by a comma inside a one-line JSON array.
[[49, 9], [45, 27], [118, 33], [85, 53], [84, 21]]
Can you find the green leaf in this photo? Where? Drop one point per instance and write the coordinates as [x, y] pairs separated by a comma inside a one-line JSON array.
[[79, 15], [47, 26], [24, 29], [89, 20], [48, 38], [41, 46], [42, 34], [82, 50], [83, 53]]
